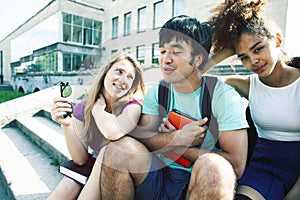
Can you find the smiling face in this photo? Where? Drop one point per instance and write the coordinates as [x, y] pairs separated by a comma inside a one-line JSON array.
[[259, 55], [176, 61], [119, 79]]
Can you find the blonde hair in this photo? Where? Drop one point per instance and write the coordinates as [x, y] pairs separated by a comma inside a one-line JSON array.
[[98, 86]]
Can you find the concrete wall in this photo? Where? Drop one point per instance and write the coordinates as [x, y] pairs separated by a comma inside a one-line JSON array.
[[34, 83]]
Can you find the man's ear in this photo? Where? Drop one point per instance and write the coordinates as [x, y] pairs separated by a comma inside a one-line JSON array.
[[198, 60], [278, 39]]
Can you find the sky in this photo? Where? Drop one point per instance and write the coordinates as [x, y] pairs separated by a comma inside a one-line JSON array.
[[15, 12]]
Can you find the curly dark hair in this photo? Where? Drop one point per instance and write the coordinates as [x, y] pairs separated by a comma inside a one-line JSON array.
[[232, 18]]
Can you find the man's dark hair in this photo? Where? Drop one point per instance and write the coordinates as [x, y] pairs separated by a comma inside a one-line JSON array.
[[189, 30]]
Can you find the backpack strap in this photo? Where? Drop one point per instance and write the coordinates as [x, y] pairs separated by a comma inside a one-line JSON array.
[[209, 83], [164, 94]]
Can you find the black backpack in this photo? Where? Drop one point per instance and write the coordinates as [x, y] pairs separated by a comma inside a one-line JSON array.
[[209, 82]]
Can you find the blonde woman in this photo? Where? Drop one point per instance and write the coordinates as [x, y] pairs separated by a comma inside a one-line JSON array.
[[108, 112]]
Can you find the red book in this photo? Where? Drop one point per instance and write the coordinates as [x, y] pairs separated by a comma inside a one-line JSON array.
[[79, 173], [178, 120]]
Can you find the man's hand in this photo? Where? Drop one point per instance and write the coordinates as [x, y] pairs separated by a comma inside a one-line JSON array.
[[192, 134]]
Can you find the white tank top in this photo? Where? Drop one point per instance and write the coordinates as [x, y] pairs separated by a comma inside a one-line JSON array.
[[275, 110]]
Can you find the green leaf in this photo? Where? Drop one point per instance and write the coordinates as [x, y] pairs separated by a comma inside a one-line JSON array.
[[67, 91]]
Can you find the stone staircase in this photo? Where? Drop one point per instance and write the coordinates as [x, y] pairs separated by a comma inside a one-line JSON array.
[[31, 147]]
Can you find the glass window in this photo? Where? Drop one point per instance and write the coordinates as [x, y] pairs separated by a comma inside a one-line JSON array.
[[88, 23], [77, 34], [178, 7], [114, 51], [77, 20], [155, 53], [88, 36], [141, 19], [97, 32], [127, 23], [81, 30], [67, 62], [140, 53], [126, 49], [158, 14], [88, 31], [67, 18], [66, 32], [77, 61], [115, 23]]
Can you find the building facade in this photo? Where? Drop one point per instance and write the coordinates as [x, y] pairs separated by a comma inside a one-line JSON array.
[[77, 35]]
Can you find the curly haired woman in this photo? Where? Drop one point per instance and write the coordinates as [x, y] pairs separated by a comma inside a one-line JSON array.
[[273, 91]]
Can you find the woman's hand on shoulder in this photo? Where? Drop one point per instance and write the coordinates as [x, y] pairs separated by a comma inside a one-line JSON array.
[[59, 109]]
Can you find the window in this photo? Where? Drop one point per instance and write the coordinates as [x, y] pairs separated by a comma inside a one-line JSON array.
[[155, 53], [67, 62], [140, 53], [77, 29], [158, 14], [115, 23], [141, 19], [127, 23], [97, 30], [81, 30], [67, 27], [126, 49], [45, 63], [88, 31], [178, 7], [114, 51]]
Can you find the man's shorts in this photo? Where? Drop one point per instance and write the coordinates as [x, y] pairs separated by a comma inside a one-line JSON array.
[[273, 168], [163, 183]]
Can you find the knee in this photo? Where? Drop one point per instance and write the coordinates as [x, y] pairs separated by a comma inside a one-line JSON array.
[[126, 153], [212, 177]]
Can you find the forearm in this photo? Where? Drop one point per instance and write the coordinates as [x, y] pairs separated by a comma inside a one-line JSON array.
[[216, 58], [108, 125], [154, 141]]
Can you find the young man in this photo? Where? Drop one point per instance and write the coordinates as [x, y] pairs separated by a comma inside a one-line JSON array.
[[135, 168]]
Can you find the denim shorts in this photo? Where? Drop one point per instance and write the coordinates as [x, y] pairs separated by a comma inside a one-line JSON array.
[[273, 168], [163, 183]]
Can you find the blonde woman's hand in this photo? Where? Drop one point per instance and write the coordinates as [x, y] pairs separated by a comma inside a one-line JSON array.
[[59, 109]]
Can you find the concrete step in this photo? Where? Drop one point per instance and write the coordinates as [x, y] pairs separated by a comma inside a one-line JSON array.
[[31, 147], [29, 172], [46, 134]]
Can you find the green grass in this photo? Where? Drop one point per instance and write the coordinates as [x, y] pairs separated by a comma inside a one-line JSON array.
[[9, 95]]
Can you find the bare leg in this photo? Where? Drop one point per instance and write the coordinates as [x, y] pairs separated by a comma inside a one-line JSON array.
[[294, 193], [126, 165], [67, 189], [212, 178], [91, 190]]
